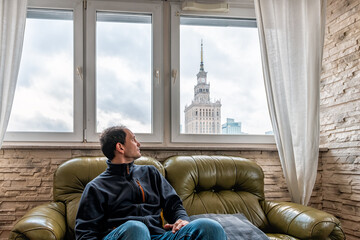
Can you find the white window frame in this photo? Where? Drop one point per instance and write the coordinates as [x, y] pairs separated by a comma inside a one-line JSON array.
[[177, 137], [155, 9], [77, 135]]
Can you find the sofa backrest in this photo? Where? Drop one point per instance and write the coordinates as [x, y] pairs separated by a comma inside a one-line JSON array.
[[72, 176], [218, 184]]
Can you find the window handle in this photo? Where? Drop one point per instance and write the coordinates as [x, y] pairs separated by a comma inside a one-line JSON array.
[[174, 75], [157, 76], [79, 72]]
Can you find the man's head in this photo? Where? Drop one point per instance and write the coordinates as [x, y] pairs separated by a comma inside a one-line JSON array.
[[119, 142]]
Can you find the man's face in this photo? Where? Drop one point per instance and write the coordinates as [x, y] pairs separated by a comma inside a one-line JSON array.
[[131, 146]]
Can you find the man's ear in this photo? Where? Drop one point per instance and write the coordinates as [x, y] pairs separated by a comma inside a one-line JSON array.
[[120, 148]]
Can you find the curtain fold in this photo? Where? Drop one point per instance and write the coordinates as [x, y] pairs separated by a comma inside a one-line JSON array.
[[12, 28], [291, 36]]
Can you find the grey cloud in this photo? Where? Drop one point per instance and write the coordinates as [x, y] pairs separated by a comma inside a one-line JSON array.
[[130, 101], [130, 43], [41, 123], [46, 34]]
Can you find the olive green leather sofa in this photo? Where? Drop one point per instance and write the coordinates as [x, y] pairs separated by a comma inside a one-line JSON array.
[[206, 184]]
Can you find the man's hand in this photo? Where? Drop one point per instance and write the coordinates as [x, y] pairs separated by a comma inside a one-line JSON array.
[[176, 226]]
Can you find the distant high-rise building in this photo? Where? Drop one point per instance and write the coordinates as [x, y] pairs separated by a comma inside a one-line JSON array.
[[203, 116], [231, 127]]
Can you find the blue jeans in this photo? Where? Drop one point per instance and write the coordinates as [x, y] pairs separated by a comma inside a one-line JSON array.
[[200, 229]]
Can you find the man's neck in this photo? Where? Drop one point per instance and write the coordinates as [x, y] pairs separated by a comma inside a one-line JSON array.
[[119, 160]]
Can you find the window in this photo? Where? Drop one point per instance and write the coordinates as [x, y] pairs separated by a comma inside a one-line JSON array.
[[123, 71], [77, 78], [43, 79], [124, 68], [45, 106], [58, 99], [220, 71]]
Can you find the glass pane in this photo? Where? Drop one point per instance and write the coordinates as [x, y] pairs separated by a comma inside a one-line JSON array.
[[221, 88], [123, 71], [44, 94]]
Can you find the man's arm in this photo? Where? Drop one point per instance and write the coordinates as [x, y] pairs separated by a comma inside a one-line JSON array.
[[90, 215], [173, 210]]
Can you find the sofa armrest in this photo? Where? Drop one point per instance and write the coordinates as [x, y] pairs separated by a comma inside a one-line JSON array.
[[46, 221], [302, 222]]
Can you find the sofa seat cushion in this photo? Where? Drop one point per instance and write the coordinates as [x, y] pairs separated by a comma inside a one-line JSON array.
[[236, 226]]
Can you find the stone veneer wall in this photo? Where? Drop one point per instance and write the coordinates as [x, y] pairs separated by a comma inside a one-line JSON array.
[[340, 115], [26, 177]]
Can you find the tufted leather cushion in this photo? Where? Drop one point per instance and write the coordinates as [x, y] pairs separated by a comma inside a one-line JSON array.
[[218, 184], [72, 176]]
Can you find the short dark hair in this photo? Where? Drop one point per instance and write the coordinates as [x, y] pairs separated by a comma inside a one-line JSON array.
[[110, 137]]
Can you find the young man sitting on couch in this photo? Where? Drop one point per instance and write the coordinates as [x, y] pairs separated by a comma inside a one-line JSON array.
[[126, 200]]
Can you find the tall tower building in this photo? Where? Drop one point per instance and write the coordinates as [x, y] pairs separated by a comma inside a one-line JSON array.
[[203, 116]]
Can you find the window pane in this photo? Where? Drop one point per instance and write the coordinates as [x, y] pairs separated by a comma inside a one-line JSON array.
[[123, 71], [43, 99], [221, 87]]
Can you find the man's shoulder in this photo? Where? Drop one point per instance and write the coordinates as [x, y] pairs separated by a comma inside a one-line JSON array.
[[96, 181], [146, 167], [150, 170]]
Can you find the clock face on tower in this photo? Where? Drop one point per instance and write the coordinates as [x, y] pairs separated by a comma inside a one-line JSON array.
[[202, 80]]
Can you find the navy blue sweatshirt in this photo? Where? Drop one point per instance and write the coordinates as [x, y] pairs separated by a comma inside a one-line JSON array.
[[126, 192]]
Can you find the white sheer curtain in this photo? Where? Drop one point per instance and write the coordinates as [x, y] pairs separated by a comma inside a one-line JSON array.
[[12, 27], [292, 38]]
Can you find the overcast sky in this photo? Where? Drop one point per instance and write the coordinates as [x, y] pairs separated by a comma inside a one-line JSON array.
[[43, 101], [124, 75], [44, 92]]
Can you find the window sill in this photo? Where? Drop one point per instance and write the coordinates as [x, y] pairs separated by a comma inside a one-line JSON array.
[[147, 146]]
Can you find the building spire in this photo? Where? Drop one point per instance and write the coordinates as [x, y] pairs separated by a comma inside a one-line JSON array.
[[202, 57]]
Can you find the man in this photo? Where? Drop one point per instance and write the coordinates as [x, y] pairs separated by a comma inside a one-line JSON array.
[[125, 201]]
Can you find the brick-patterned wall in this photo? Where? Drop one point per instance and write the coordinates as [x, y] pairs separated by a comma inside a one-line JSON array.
[[26, 177], [340, 115]]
